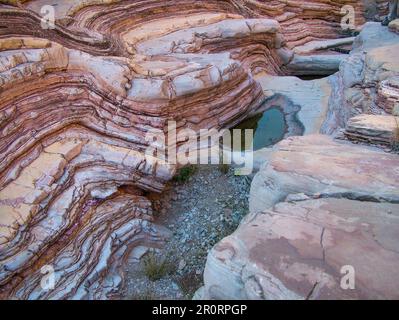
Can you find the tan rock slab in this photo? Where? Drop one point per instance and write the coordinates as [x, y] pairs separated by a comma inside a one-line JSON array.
[[317, 164], [302, 250]]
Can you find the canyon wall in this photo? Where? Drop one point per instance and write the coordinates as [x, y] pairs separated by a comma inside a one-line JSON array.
[[77, 102]]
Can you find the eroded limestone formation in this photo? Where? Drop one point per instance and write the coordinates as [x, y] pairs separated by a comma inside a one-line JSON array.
[[77, 100]]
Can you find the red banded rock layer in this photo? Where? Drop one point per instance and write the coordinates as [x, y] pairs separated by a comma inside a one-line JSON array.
[[366, 81], [372, 129], [302, 21], [164, 26], [198, 86], [76, 105], [73, 133], [240, 37], [89, 264], [20, 22], [99, 27], [388, 94]]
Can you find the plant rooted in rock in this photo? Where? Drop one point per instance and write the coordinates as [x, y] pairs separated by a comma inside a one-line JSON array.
[[156, 267]]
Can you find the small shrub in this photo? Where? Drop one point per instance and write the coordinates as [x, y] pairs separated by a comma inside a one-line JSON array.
[[224, 168], [156, 267], [185, 173]]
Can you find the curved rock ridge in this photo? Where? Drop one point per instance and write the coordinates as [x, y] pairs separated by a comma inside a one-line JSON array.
[[317, 164], [316, 206], [73, 132], [388, 94], [320, 207], [99, 26]]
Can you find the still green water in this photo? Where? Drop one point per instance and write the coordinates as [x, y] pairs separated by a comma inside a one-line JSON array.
[[269, 128]]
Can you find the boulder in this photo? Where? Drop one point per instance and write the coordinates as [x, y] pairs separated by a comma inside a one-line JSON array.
[[372, 129], [394, 25], [317, 164], [366, 81], [313, 249]]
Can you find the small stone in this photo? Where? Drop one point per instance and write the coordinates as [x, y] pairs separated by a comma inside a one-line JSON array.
[[296, 197], [182, 265]]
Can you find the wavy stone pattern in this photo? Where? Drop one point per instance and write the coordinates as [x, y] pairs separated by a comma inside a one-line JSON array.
[[73, 130], [85, 25], [77, 101]]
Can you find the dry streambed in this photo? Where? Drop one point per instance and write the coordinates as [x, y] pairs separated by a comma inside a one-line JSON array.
[[202, 206]]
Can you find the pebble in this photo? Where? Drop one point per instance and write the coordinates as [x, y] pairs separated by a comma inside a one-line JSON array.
[[201, 210], [182, 265]]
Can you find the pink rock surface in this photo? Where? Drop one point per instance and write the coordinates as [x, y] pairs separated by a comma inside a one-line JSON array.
[[296, 250], [317, 205]]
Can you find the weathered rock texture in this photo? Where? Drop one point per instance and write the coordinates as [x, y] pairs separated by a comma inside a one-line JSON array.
[[73, 129], [373, 129], [89, 25], [316, 164], [367, 81], [296, 250], [394, 26], [77, 101], [316, 205]]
